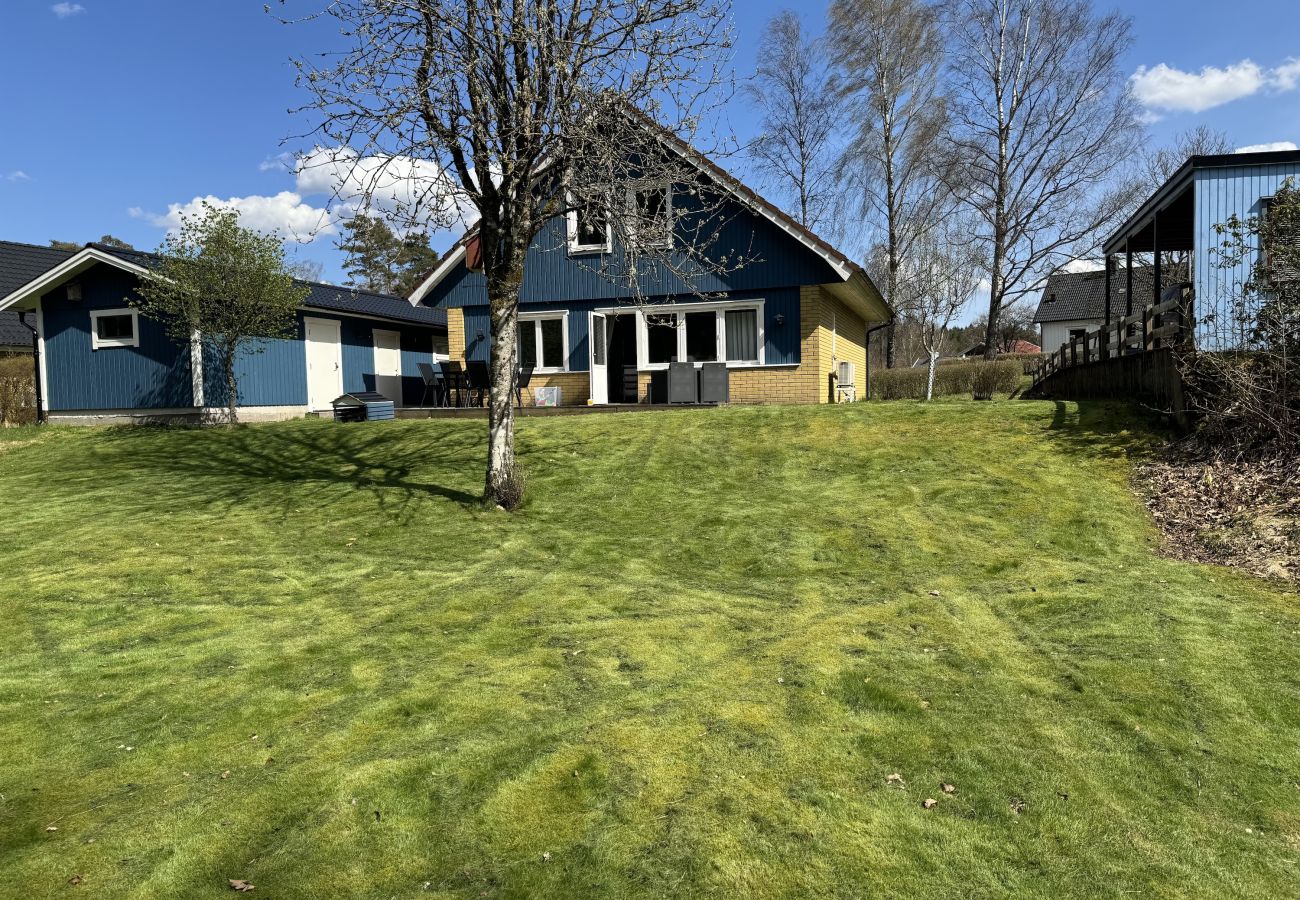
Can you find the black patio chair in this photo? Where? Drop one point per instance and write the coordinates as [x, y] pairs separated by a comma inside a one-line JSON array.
[[453, 379], [432, 384], [683, 383], [522, 379], [477, 382]]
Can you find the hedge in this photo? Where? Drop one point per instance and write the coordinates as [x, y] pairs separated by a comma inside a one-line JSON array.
[[982, 380], [17, 391]]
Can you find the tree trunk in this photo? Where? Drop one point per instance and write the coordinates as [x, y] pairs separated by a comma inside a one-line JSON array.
[[503, 486], [995, 304], [929, 380], [232, 385]]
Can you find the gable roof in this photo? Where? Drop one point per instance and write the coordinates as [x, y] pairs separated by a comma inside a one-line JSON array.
[[19, 264], [326, 297], [1081, 296], [858, 288]]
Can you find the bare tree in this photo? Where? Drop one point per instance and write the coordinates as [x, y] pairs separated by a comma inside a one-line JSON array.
[[515, 111], [1158, 166], [791, 87], [889, 54], [946, 276], [1042, 118]]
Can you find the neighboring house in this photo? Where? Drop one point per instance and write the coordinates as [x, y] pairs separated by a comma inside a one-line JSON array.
[[782, 324], [1074, 303], [103, 361], [19, 264], [1180, 218], [1016, 347]]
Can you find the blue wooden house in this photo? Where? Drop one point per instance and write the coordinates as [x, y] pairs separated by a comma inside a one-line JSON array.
[[101, 360], [1178, 222], [791, 324]]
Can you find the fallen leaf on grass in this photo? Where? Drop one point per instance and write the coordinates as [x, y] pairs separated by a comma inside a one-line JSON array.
[[51, 828], [1017, 805], [75, 880], [949, 788], [930, 803], [239, 885], [894, 779], [935, 594]]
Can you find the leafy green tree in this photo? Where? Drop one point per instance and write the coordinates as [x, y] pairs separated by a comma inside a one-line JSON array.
[[227, 283], [379, 260]]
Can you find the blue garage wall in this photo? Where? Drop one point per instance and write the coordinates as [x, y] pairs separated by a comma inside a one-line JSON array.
[[155, 375], [782, 341], [269, 373]]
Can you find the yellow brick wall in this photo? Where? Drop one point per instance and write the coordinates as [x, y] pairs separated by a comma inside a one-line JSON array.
[[575, 387]]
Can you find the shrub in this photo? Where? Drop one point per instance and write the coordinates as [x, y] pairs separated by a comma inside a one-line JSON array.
[[17, 391], [981, 379]]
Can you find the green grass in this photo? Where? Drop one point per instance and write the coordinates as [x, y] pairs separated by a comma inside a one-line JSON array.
[[685, 668]]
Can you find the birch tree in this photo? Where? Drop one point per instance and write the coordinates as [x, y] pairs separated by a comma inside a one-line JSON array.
[[794, 151], [946, 277], [513, 112], [1042, 119], [889, 54]]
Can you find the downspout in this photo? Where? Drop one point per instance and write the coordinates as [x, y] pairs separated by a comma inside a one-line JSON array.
[[36, 363], [870, 331]]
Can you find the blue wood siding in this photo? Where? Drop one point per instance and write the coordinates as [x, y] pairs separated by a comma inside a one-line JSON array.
[[1220, 194], [782, 341], [155, 375], [775, 260]]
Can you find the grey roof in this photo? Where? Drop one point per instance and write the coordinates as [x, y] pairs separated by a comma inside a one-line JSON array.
[[337, 298], [1081, 296], [20, 263]]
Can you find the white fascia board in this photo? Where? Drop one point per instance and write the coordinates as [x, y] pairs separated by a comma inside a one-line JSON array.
[[66, 270]]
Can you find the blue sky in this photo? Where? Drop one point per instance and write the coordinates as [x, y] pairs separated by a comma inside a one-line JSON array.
[[117, 109]]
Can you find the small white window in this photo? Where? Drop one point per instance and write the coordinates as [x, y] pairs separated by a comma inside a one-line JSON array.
[[114, 328], [589, 228], [650, 214], [544, 341]]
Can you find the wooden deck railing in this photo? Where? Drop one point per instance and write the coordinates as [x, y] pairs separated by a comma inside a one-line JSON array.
[[1160, 326]]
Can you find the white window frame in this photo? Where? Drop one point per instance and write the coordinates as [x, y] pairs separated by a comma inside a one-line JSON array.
[[571, 222], [633, 214], [534, 320], [720, 309], [98, 343]]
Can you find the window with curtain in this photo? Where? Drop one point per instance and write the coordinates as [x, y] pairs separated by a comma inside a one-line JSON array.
[[742, 335]]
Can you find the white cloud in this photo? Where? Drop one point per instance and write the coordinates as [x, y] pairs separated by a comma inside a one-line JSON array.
[[18, 175], [281, 162], [63, 10], [1267, 148], [1167, 88], [1076, 266], [285, 212]]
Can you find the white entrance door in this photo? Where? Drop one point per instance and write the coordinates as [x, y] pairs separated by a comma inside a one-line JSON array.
[[598, 341], [324, 362], [388, 364]]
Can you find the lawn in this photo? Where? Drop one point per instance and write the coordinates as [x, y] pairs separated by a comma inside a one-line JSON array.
[[302, 656]]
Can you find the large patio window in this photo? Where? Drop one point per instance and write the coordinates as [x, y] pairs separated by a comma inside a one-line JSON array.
[[712, 332], [544, 341]]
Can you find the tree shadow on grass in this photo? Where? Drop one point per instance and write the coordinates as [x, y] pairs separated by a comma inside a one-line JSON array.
[[1106, 428], [242, 462]]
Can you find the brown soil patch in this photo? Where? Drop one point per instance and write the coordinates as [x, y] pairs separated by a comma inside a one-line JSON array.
[[1241, 513]]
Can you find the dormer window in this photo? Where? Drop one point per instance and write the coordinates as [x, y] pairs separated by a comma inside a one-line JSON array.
[[650, 210], [589, 230]]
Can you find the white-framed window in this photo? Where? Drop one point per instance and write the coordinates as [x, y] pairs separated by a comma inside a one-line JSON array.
[[544, 341], [114, 328], [730, 332], [588, 227], [650, 214]]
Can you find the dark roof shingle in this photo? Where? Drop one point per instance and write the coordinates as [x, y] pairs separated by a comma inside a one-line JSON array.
[[20, 263], [1081, 296], [337, 298]]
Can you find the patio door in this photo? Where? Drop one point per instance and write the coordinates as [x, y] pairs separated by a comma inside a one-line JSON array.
[[324, 362], [598, 342]]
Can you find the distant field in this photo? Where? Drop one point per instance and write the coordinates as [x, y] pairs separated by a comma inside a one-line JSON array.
[[301, 655]]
